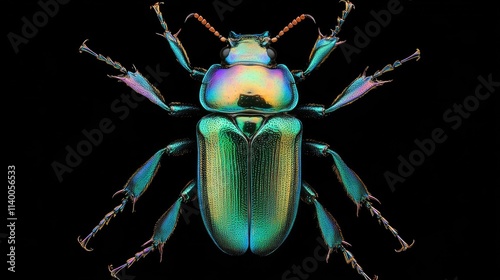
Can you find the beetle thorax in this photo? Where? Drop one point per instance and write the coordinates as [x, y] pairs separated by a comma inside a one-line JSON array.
[[248, 80], [248, 88]]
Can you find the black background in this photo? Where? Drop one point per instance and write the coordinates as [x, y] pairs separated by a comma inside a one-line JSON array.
[[448, 204]]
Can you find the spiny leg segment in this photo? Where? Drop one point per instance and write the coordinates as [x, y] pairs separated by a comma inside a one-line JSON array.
[[324, 46], [136, 81], [175, 44], [330, 230], [355, 188], [363, 84], [163, 229], [138, 183], [357, 89], [385, 223], [340, 20]]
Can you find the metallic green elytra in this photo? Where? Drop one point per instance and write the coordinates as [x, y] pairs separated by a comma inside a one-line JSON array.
[[249, 185], [249, 145]]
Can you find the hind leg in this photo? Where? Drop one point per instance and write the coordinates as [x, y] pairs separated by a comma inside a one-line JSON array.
[[330, 230], [164, 227]]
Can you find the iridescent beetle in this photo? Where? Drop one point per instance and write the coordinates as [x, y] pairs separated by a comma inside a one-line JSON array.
[[249, 180]]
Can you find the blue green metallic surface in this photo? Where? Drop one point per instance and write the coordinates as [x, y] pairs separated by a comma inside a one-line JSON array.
[[141, 179], [248, 49], [248, 187], [323, 47]]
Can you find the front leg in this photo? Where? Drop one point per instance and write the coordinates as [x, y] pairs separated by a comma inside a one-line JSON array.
[[177, 48], [324, 45]]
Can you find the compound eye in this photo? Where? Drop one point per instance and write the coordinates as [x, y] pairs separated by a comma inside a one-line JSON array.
[[224, 52], [271, 53]]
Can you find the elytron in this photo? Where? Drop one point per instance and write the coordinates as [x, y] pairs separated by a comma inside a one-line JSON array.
[[249, 145]]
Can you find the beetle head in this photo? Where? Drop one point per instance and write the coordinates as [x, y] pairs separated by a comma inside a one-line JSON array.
[[248, 49]]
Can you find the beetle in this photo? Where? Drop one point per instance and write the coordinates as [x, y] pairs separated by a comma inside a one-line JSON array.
[[249, 145]]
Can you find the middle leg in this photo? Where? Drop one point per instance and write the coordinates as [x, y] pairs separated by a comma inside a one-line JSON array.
[[138, 183], [357, 89]]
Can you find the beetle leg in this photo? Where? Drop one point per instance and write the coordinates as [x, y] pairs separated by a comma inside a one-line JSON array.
[[134, 80], [176, 46], [164, 227], [363, 84], [355, 188], [324, 46], [137, 184], [310, 111], [385, 223], [357, 89], [330, 230]]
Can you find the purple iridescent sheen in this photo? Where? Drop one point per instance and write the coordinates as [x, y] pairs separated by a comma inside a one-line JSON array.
[[248, 88]]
